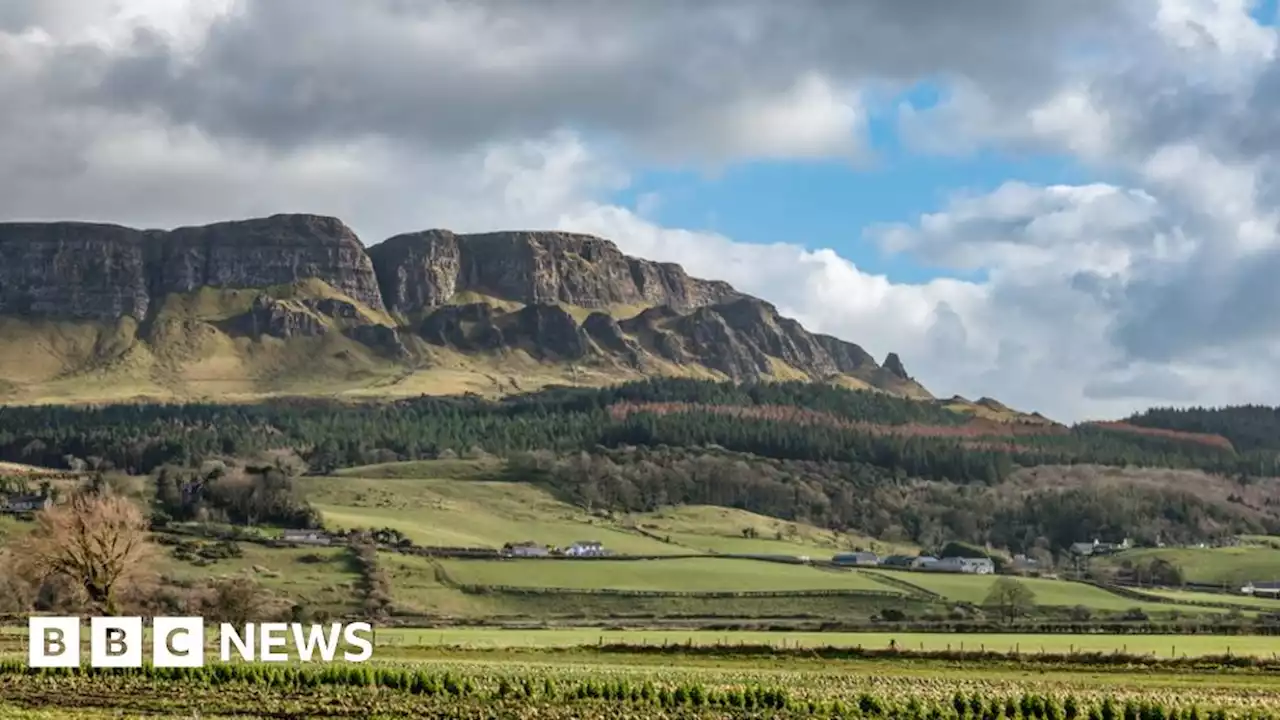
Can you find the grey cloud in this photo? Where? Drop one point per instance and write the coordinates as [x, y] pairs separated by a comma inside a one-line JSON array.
[[289, 72]]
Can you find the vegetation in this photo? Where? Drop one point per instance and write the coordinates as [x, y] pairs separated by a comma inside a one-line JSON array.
[[461, 690]]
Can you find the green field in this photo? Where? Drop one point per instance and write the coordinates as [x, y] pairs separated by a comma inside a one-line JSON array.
[[1158, 645], [1241, 601], [676, 575], [469, 503], [289, 572], [1053, 593], [1230, 567]]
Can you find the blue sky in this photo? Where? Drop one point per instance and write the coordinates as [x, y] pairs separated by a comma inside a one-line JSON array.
[[828, 204]]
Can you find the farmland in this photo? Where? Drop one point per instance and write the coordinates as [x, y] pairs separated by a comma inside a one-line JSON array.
[[579, 686]]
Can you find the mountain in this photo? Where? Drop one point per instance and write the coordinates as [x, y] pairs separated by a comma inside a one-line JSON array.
[[297, 305]]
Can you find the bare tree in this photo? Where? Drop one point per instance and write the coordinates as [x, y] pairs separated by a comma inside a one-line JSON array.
[[97, 541]]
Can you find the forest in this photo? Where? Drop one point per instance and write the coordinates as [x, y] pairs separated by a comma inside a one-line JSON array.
[[906, 438], [888, 467]]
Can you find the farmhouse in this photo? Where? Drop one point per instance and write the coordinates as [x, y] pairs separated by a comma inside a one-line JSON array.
[[18, 504], [1270, 589], [585, 548], [307, 537], [525, 549], [1022, 563], [978, 566], [856, 558], [1085, 549]]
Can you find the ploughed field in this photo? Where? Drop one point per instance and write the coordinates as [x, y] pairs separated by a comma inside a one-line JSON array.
[[598, 685]]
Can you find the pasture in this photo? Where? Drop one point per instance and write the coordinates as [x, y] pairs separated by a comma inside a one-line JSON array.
[[674, 575], [1229, 567]]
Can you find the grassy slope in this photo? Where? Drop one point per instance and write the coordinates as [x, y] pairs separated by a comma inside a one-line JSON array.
[[187, 355], [328, 585], [681, 575], [447, 502], [1051, 593], [1230, 567], [458, 502], [719, 529]]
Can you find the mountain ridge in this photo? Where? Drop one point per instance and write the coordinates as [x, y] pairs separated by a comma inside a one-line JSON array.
[[268, 304]]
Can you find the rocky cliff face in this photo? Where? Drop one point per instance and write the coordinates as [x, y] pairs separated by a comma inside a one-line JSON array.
[[484, 294], [72, 270], [278, 250], [104, 272], [420, 271]]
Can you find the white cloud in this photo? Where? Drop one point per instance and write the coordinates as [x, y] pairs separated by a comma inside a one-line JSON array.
[[1154, 285]]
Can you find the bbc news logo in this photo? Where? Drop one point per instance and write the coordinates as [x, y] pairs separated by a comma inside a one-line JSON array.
[[118, 642]]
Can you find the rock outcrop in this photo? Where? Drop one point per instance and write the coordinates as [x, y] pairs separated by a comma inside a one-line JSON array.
[[104, 272], [264, 252], [420, 271], [79, 271], [557, 297]]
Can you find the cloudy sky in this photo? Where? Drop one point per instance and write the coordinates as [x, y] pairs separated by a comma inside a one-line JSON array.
[[1070, 206]]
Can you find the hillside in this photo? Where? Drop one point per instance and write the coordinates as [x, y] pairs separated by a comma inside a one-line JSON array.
[[296, 305], [886, 468]]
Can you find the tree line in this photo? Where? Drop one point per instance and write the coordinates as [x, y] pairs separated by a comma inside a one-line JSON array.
[[330, 434]]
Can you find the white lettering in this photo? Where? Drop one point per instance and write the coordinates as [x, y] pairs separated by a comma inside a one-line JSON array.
[[228, 636], [273, 636], [316, 637], [352, 638]]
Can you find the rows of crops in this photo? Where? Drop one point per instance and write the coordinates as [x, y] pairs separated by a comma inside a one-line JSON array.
[[550, 691]]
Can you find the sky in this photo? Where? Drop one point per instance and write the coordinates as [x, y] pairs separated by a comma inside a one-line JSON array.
[[1073, 207]]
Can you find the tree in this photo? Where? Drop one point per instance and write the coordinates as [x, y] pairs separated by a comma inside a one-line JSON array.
[[97, 541], [1011, 597]]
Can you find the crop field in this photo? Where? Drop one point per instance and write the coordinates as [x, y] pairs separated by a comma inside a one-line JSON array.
[[677, 575], [1159, 646], [553, 689]]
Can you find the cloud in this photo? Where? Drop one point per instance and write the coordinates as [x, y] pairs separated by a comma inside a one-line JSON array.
[[1151, 284]]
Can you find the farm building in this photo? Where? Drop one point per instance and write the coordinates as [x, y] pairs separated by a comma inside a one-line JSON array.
[[856, 558], [585, 548], [977, 566], [1271, 589], [18, 504], [525, 549], [1096, 547], [307, 537]]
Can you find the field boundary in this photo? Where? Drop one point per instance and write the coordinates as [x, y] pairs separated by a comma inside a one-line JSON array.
[[476, 589], [909, 587]]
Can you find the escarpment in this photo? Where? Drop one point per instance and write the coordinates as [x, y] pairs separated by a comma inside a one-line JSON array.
[[551, 297]]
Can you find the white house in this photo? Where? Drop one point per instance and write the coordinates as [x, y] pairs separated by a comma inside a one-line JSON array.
[[584, 548]]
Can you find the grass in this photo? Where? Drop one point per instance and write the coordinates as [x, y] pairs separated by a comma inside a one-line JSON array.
[[1030, 643], [1192, 596], [468, 513], [462, 503], [419, 591], [1230, 567], [677, 575], [328, 584], [1052, 593], [719, 529]]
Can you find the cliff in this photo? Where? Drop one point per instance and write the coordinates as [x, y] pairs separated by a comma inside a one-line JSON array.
[[297, 304], [420, 271]]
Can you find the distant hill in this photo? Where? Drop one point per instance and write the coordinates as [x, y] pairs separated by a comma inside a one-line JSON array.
[[295, 305]]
